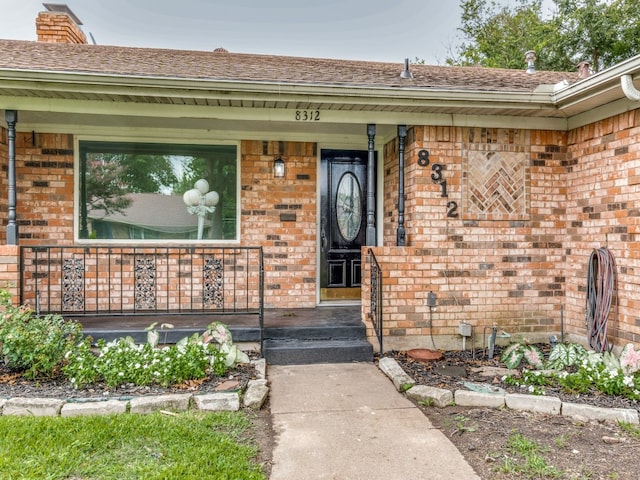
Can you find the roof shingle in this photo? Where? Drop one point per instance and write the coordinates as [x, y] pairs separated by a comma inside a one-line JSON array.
[[239, 67]]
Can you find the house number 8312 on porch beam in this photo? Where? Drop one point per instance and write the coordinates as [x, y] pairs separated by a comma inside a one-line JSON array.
[[307, 115]]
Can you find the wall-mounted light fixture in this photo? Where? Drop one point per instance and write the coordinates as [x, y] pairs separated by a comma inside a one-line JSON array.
[[278, 168]]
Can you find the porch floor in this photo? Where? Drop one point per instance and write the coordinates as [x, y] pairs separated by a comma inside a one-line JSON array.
[[244, 327]]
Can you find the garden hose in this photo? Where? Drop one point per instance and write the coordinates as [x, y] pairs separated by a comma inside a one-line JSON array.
[[601, 285]]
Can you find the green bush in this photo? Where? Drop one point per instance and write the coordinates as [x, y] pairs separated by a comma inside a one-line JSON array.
[[123, 361], [34, 344], [48, 346]]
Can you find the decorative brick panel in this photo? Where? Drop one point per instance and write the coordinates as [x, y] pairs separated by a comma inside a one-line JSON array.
[[494, 185]]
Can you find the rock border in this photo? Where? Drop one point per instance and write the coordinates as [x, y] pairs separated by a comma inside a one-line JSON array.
[[441, 397], [253, 397]]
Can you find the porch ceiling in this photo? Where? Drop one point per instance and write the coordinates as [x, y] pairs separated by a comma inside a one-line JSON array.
[[177, 127]]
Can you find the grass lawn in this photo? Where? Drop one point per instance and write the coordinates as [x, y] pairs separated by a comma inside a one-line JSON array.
[[192, 445]]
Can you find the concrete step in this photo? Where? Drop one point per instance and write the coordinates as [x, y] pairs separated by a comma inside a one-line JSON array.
[[303, 352], [333, 332]]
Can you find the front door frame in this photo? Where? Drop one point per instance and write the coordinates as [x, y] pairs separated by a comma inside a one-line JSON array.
[[379, 197]]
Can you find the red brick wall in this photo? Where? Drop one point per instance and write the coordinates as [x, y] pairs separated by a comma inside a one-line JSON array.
[[512, 270], [502, 269], [44, 172], [603, 186], [280, 215], [44, 188]]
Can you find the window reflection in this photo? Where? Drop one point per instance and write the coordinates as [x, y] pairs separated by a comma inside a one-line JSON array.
[[136, 191]]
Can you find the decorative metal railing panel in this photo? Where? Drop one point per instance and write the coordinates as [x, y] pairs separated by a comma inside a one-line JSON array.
[[95, 280], [375, 297]]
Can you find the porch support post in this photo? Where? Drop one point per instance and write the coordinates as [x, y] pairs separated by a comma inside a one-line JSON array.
[[371, 187], [12, 225], [401, 236]]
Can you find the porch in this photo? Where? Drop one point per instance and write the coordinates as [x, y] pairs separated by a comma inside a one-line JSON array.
[[289, 336], [118, 291]]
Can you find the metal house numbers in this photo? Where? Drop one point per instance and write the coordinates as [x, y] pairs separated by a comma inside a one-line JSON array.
[[437, 177]]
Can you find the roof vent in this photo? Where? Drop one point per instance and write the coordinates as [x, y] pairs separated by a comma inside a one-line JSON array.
[[584, 70], [530, 58], [221, 50], [406, 73]]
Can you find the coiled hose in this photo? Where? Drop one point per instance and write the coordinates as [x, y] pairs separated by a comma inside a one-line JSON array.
[[601, 285]]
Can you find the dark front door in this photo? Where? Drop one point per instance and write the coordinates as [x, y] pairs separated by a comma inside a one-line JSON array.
[[343, 221]]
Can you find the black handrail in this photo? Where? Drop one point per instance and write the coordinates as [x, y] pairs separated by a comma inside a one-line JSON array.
[[375, 297]]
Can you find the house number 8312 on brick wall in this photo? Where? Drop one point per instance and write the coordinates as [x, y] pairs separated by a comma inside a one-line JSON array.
[[437, 177]]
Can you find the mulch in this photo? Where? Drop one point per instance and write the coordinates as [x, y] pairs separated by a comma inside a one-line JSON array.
[[457, 367], [12, 384]]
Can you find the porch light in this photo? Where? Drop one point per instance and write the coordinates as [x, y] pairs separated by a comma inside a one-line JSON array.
[[200, 201], [278, 168]]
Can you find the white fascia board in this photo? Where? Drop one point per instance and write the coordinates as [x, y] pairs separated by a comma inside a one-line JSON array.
[[238, 90], [605, 80], [98, 108]]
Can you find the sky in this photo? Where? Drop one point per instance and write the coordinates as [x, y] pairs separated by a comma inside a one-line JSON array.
[[372, 30]]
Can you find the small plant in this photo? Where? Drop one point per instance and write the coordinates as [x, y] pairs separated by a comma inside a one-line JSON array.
[[460, 423], [562, 441], [630, 429], [629, 360], [516, 352], [527, 459], [565, 355], [153, 336], [221, 334], [34, 344]]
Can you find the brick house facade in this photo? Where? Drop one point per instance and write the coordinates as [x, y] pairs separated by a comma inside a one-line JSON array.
[[510, 181]]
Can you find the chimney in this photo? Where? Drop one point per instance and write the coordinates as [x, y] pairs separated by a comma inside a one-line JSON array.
[[583, 70], [59, 25]]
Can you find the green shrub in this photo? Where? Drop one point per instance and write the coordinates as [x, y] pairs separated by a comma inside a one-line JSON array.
[[123, 361], [34, 344]]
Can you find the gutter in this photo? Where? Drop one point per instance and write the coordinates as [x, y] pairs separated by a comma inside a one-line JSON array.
[[598, 83], [243, 90]]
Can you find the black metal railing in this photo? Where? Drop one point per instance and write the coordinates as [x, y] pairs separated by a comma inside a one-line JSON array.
[[375, 297], [120, 280]]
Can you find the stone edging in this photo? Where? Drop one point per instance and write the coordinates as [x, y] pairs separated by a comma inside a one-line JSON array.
[[253, 397], [441, 397]]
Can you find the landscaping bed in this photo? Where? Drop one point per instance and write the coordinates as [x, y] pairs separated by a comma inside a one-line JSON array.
[[13, 384], [505, 444]]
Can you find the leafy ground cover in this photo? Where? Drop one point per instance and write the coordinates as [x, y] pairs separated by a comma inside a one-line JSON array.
[[158, 446]]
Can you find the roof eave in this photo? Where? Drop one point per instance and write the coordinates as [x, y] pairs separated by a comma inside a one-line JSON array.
[[74, 83]]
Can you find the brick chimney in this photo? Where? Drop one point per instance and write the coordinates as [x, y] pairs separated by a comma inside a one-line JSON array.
[[59, 25]]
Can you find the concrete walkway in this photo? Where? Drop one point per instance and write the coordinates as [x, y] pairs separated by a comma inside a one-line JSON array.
[[348, 422]]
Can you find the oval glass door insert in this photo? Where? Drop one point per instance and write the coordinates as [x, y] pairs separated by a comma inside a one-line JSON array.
[[349, 206]]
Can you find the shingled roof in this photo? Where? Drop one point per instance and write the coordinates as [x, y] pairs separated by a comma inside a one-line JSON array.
[[238, 67]]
